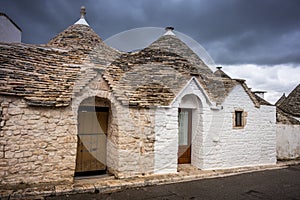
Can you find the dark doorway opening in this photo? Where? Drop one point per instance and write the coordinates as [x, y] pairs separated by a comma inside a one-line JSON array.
[[184, 136]]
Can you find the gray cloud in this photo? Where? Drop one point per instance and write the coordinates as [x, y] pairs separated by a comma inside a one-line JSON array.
[[233, 31]]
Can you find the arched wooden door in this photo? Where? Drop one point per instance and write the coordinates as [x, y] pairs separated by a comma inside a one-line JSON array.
[[91, 146]]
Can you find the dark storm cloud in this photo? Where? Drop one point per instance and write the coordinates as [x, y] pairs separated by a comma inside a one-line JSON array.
[[233, 31]]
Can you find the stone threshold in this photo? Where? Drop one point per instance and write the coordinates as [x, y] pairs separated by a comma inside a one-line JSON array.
[[108, 184]]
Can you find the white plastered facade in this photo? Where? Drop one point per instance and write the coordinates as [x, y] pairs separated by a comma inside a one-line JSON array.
[[216, 144]]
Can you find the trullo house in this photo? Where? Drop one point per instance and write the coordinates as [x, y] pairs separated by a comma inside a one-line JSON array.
[[75, 106]]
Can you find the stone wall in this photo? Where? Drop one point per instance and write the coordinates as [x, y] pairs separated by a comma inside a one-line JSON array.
[[130, 135], [288, 141], [136, 141], [37, 144]]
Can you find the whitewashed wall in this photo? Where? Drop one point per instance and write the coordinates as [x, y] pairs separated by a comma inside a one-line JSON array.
[[166, 140], [215, 143], [255, 144], [8, 31], [288, 141], [166, 129]]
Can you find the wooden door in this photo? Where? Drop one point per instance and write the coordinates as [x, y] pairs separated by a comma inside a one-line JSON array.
[[184, 137], [91, 147]]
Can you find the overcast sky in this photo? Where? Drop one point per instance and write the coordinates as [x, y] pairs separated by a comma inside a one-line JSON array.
[[258, 40]]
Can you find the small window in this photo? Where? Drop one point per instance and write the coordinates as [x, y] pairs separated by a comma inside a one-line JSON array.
[[239, 119]]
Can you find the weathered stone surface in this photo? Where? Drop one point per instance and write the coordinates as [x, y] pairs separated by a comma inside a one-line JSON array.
[[29, 150]]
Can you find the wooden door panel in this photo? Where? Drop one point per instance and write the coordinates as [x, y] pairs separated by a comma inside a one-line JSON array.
[[92, 122], [91, 148], [184, 155], [90, 157]]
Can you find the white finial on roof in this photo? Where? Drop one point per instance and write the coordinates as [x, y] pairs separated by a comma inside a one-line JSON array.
[[169, 30], [82, 15]]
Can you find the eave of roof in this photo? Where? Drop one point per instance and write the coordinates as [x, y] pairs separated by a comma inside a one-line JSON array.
[[285, 118], [41, 75], [262, 101]]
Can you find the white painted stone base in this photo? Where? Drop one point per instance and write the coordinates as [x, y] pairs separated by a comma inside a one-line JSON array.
[[166, 140], [288, 141]]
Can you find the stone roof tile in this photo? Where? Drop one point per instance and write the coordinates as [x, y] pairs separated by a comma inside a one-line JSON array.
[[215, 86], [42, 75], [45, 75], [156, 74], [148, 78], [76, 37]]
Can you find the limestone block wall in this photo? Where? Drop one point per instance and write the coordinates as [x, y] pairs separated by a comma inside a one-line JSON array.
[[288, 141], [254, 144], [136, 141], [37, 144]]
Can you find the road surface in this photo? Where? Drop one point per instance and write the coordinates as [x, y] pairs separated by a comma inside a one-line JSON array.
[[271, 184]]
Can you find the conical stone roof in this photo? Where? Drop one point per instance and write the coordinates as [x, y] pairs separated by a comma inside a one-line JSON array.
[[291, 104], [155, 75], [216, 86], [79, 36], [76, 37], [148, 77], [81, 39], [171, 43]]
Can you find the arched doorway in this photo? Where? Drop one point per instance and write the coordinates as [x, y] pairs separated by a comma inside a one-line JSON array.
[[189, 128], [92, 129]]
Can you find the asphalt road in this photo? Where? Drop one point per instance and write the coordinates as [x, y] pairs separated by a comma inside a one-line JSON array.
[[271, 184]]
